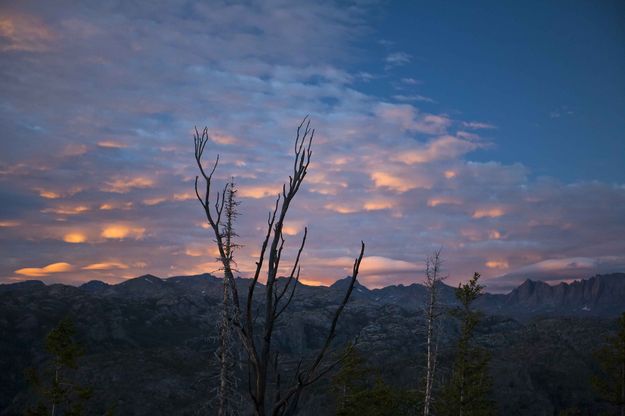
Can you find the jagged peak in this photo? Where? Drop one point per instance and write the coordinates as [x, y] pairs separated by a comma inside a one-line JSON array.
[[529, 283], [344, 282]]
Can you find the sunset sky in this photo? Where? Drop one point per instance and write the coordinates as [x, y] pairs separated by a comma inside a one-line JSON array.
[[495, 130]]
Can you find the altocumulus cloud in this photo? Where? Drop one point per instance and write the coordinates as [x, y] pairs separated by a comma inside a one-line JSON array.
[[99, 101]]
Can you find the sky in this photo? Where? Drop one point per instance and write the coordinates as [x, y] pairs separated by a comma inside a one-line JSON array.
[[491, 130]]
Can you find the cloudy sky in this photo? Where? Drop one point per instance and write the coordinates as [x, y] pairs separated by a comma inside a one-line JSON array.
[[492, 130]]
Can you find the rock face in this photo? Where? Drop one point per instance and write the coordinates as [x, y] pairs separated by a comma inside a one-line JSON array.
[[602, 295], [149, 342]]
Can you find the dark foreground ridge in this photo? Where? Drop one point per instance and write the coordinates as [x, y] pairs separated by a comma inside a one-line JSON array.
[[149, 341]]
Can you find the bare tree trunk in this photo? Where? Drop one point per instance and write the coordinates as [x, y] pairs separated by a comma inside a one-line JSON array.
[[224, 329], [277, 299], [432, 281], [227, 381], [227, 390]]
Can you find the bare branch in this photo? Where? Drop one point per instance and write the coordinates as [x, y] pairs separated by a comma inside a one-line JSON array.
[[260, 356], [311, 375]]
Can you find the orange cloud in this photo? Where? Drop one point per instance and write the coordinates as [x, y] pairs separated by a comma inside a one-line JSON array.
[[494, 235], [107, 206], [154, 201], [377, 205], [24, 33], [488, 213], [67, 210], [496, 264], [387, 180], [378, 264], [324, 185], [45, 271], [184, 196], [310, 282], [121, 231], [111, 144], [48, 194], [374, 265], [341, 209], [442, 200], [7, 224], [125, 185], [340, 160], [223, 138], [257, 192], [292, 228], [449, 174], [74, 237], [113, 265]]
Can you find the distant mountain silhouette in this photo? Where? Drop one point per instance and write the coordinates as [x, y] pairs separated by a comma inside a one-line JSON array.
[[150, 341], [601, 295]]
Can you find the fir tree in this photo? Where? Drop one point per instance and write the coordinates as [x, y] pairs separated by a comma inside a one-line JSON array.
[[361, 392], [610, 384], [58, 394], [467, 391]]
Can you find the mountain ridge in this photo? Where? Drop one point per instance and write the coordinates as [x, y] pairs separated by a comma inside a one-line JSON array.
[[150, 342], [602, 295]]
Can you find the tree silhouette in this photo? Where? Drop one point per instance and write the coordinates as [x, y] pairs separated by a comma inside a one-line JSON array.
[[228, 397], [360, 391], [263, 361], [610, 383], [467, 391], [432, 312], [58, 394]]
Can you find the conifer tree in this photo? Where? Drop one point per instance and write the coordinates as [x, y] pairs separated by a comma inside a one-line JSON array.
[[351, 378], [58, 394], [610, 384], [467, 391], [360, 391]]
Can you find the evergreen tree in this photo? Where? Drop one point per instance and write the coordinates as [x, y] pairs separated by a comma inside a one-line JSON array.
[[362, 392], [610, 384], [467, 391], [58, 395], [351, 378]]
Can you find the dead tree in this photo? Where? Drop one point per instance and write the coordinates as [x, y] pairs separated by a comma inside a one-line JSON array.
[[432, 282], [227, 388], [260, 357]]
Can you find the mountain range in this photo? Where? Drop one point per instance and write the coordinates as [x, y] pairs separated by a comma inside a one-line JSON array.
[[601, 295], [149, 341]]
